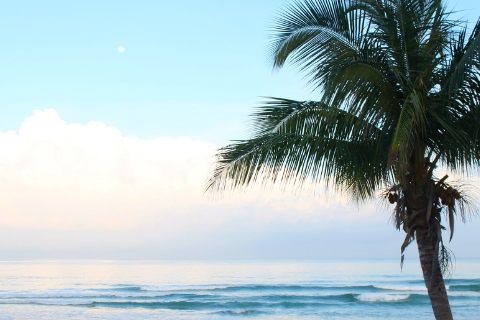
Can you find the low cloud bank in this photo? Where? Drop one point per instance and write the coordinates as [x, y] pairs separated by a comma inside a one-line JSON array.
[[85, 191]]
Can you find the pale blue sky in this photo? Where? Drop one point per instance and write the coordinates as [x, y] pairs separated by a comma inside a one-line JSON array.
[[192, 68], [189, 68], [75, 188]]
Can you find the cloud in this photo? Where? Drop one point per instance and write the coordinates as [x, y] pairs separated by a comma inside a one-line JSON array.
[[59, 175], [62, 176], [72, 190]]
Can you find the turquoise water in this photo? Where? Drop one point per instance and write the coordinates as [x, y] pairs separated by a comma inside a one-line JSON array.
[[228, 290]]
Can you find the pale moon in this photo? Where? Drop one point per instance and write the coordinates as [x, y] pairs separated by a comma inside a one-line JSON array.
[[121, 49]]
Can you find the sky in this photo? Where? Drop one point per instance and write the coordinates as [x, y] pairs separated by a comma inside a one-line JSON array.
[[104, 154]]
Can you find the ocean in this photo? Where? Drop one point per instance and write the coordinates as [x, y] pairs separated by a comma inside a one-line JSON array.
[[92, 289]]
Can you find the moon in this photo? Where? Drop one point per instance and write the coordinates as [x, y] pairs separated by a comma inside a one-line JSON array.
[[121, 49]]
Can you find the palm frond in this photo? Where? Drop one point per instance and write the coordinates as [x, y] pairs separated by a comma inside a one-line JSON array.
[[295, 141], [465, 60], [312, 33]]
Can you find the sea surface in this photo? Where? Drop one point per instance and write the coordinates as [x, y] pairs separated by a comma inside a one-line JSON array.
[[92, 289]]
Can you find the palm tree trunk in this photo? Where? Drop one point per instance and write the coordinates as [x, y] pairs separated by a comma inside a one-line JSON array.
[[433, 276]]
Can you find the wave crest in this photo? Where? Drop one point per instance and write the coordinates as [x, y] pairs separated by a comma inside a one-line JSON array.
[[381, 297]]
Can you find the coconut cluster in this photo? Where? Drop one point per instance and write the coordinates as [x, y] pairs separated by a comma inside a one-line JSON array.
[[392, 197], [449, 195]]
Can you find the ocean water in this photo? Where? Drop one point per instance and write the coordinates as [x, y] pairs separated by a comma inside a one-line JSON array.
[[72, 289]]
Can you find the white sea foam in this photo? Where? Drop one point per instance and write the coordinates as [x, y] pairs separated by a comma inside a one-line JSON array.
[[405, 288], [381, 297], [463, 294], [401, 288]]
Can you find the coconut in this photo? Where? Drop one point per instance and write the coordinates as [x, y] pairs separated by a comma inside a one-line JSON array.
[[449, 201], [456, 194], [390, 198], [443, 195]]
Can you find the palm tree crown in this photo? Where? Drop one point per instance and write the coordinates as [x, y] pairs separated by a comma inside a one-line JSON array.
[[400, 94]]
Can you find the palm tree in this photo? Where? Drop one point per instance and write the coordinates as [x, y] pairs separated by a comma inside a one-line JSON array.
[[400, 99]]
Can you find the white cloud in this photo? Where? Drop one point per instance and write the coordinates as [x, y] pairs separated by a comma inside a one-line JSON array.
[[54, 174], [87, 188], [62, 176]]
